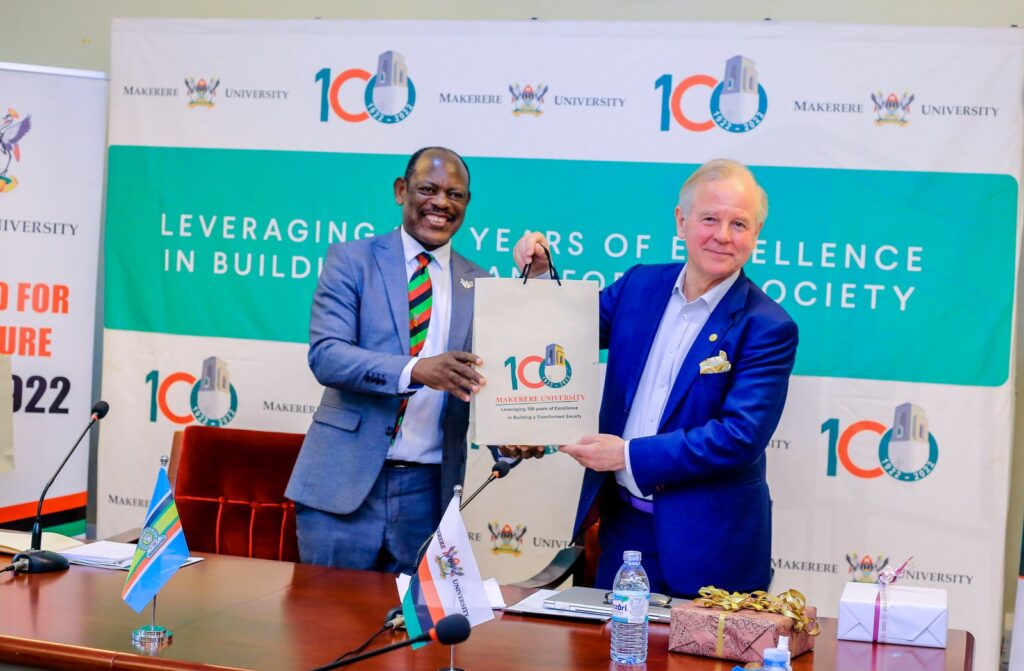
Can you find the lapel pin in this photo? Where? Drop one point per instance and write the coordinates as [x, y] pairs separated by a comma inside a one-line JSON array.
[[466, 284], [713, 337]]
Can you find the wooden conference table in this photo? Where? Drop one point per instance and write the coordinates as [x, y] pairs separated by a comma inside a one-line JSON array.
[[254, 614]]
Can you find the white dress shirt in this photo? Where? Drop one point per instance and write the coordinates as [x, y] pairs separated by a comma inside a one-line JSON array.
[[680, 324], [420, 437]]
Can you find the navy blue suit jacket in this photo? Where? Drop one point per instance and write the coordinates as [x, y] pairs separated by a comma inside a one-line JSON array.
[[705, 466]]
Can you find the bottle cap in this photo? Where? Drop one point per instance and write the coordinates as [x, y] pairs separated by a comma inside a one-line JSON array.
[[631, 556], [783, 643]]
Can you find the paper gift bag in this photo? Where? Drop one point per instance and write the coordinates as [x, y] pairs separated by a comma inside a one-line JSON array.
[[6, 417], [539, 344]]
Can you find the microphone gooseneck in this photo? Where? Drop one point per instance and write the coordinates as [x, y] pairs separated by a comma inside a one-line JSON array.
[[40, 561], [449, 630], [498, 471]]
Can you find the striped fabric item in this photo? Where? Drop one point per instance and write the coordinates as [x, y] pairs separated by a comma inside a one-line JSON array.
[[447, 580], [161, 550], [420, 301]]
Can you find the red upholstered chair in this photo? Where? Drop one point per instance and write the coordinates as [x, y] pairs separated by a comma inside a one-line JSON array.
[[229, 487]]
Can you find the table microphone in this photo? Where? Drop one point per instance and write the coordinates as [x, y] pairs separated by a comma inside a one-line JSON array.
[[499, 470], [449, 630], [45, 561]]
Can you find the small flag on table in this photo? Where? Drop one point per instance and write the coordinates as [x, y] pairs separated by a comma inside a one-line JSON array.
[[447, 580], [161, 550]]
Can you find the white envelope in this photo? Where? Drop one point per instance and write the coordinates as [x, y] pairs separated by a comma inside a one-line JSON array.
[[908, 616]]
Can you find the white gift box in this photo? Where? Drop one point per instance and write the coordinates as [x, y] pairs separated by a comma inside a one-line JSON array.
[[900, 614]]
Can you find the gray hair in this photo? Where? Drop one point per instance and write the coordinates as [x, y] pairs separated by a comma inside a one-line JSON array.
[[718, 169]]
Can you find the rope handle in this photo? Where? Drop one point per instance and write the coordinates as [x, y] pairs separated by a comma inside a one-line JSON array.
[[551, 265]]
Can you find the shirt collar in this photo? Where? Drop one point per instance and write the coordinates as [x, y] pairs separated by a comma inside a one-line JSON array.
[[411, 246], [713, 296]]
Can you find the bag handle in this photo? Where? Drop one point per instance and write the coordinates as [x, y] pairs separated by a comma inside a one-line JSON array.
[[551, 265]]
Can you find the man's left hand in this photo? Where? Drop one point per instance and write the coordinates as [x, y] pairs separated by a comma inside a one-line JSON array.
[[598, 452], [521, 451]]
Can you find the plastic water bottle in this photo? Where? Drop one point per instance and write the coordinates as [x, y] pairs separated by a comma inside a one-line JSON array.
[[631, 596], [779, 656], [775, 659]]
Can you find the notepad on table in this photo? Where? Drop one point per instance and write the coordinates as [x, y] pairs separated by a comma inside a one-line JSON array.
[[13, 542]]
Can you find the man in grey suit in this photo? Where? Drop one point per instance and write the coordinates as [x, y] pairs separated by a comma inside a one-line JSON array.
[[389, 339]]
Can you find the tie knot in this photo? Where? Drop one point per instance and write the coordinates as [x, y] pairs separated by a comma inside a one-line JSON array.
[[423, 259]]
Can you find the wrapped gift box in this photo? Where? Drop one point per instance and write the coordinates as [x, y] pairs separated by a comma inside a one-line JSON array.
[[902, 614], [739, 635]]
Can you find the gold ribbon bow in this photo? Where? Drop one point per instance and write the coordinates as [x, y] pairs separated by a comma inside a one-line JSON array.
[[790, 603]]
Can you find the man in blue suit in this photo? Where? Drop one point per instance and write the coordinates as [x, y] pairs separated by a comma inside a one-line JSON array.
[[699, 360], [389, 338]]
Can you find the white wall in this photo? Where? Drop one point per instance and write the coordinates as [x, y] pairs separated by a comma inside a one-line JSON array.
[[76, 34], [72, 33]]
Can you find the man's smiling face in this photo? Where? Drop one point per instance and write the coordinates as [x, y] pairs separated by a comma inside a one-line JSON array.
[[434, 199]]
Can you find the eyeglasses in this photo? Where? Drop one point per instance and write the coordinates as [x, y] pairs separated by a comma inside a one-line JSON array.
[[657, 600]]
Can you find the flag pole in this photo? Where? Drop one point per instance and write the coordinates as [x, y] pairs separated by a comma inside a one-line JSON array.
[[152, 639], [451, 648]]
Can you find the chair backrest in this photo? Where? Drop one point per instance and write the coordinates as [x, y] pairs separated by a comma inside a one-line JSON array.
[[586, 574], [229, 488]]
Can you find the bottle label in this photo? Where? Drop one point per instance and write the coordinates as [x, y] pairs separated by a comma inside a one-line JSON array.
[[630, 607]]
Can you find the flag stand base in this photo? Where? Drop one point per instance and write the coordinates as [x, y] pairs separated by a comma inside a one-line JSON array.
[[152, 638]]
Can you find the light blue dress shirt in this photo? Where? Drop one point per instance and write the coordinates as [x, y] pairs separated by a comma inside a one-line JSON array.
[[420, 438], [680, 324]]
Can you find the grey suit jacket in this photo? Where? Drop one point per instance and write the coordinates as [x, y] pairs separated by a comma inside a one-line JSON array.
[[358, 346]]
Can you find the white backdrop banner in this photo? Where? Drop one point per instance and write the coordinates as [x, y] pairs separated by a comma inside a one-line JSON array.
[[6, 415], [239, 150], [52, 130]]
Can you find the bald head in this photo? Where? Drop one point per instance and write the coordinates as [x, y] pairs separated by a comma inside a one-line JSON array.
[[433, 151]]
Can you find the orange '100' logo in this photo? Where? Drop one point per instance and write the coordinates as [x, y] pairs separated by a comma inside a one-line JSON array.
[[554, 356], [907, 451], [213, 400]]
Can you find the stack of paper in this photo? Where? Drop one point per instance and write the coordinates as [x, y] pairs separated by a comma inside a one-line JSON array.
[[102, 554], [108, 554]]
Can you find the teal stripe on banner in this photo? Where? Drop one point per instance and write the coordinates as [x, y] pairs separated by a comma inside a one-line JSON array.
[[891, 275]]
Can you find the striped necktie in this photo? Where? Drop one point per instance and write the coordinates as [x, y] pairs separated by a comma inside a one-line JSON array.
[[420, 302]]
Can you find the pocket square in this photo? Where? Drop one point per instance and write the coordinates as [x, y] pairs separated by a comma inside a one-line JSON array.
[[715, 364]]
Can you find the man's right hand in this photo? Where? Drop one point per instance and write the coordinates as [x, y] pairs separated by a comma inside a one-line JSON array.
[[451, 372], [530, 249]]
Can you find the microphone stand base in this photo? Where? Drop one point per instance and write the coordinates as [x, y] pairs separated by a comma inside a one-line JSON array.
[[43, 561], [451, 661]]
